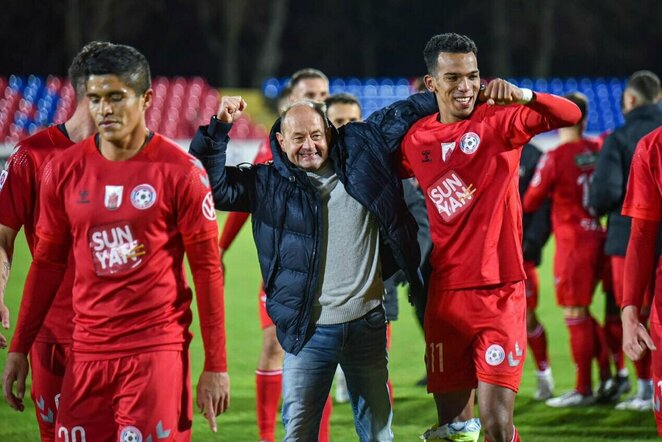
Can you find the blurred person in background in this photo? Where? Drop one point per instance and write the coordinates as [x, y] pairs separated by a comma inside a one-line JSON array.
[[19, 204], [642, 115]]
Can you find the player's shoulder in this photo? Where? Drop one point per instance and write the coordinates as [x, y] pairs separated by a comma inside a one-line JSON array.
[[652, 138], [171, 154], [41, 144], [423, 127]]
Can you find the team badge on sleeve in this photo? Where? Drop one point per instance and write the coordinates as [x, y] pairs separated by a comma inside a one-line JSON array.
[[469, 142], [3, 177], [143, 196], [131, 434], [112, 198], [208, 209]]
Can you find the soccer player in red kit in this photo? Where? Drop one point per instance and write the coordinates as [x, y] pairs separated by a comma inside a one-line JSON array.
[[19, 190], [312, 84], [564, 174], [129, 203], [643, 202], [466, 160]]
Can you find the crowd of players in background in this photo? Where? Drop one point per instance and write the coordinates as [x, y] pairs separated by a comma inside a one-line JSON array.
[[117, 198]]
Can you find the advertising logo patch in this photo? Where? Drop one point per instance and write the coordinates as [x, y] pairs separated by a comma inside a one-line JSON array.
[[469, 142], [450, 195], [115, 249], [143, 196], [112, 198]]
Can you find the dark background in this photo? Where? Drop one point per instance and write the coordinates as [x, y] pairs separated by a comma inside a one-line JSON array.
[[241, 42]]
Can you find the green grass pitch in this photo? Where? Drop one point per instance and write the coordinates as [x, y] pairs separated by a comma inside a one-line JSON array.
[[414, 409]]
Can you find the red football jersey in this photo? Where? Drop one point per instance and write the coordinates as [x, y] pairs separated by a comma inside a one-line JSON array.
[[128, 221], [643, 198], [469, 172], [19, 207], [565, 175]]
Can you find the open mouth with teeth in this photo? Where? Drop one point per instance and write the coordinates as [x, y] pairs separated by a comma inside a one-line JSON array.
[[463, 100]]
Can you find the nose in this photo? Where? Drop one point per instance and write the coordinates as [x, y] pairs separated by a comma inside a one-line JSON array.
[[465, 84], [106, 107], [308, 143]]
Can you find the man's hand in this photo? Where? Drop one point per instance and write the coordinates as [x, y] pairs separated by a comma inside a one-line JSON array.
[[501, 92], [16, 370], [4, 321], [221, 251], [636, 339], [213, 395], [230, 109]]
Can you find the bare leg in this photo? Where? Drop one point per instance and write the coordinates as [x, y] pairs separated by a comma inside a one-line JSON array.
[[496, 406]]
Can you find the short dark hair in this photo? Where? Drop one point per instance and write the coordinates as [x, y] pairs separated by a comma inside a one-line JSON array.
[[646, 84], [581, 101], [449, 42], [125, 62], [342, 98], [76, 71], [304, 74]]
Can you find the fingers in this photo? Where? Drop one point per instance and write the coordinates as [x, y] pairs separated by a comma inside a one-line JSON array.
[[499, 91], [231, 108], [14, 401], [210, 411], [3, 342], [223, 403], [645, 338], [4, 317]]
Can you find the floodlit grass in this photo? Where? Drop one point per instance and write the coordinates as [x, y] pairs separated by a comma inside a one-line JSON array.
[[414, 409]]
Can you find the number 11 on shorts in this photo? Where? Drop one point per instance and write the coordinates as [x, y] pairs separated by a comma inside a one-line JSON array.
[[435, 357]]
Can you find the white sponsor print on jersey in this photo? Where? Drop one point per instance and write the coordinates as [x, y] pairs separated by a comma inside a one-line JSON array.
[[143, 196], [131, 434], [3, 178], [112, 198], [495, 355], [446, 150], [208, 209], [115, 249], [450, 195], [469, 143]]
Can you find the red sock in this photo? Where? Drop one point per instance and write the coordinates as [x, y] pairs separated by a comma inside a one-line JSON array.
[[268, 385], [325, 424], [614, 334], [601, 350], [582, 346], [537, 340], [515, 436]]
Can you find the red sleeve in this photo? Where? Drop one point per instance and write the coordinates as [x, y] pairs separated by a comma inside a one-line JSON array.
[[540, 185], [53, 224], [205, 261], [544, 113], [17, 190], [639, 261], [642, 198], [402, 162], [196, 214], [43, 280], [231, 228]]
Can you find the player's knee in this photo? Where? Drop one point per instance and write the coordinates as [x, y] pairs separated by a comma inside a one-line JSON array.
[[271, 349], [575, 312]]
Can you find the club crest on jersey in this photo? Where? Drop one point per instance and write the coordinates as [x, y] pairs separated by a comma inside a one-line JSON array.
[[495, 355], [208, 209], [143, 196], [450, 195], [469, 142], [3, 178], [131, 434], [446, 150], [115, 249], [112, 198]]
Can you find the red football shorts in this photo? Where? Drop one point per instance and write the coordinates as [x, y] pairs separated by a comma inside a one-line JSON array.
[[47, 362], [532, 285], [577, 269], [656, 334], [265, 320], [475, 335], [618, 273], [140, 397]]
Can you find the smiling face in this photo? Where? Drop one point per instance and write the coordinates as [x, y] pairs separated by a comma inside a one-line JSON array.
[[456, 84], [116, 108], [304, 138]]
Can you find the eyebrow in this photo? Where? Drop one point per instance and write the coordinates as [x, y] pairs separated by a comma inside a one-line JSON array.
[[459, 74]]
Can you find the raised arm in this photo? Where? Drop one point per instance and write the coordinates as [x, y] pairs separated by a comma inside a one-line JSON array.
[[232, 187]]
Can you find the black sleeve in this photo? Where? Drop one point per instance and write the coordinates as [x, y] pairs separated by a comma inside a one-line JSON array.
[[606, 193]]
